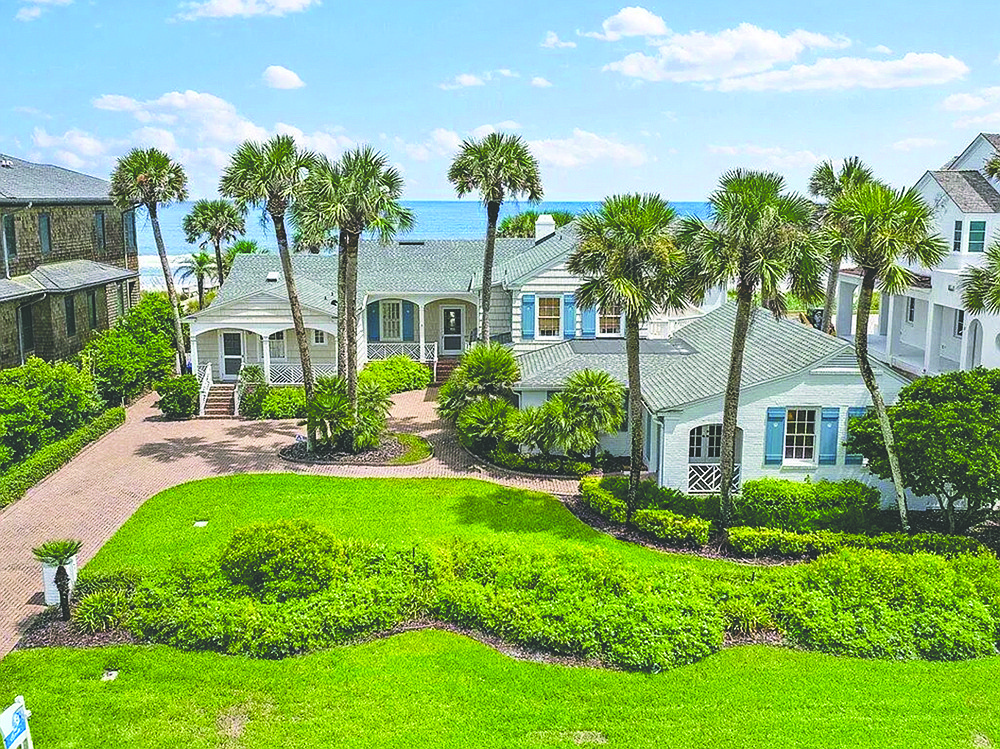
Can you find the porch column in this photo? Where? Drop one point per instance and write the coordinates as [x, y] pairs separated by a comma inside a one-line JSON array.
[[932, 339], [266, 348], [845, 308], [194, 354], [897, 304], [420, 322]]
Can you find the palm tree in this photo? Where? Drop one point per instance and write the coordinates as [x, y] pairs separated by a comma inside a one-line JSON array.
[[828, 183], [217, 221], [594, 400], [628, 260], [199, 266], [992, 167], [59, 554], [498, 167], [239, 247], [270, 176], [756, 240], [360, 193], [522, 224], [981, 284], [881, 227], [149, 178]]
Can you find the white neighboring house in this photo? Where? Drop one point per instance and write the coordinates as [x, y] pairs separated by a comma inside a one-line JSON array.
[[800, 388], [926, 330]]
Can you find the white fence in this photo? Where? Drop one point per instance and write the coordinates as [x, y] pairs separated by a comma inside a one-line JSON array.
[[385, 349], [291, 374], [706, 478], [205, 375]]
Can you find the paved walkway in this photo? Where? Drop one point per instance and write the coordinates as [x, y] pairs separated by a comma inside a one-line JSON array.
[[96, 492]]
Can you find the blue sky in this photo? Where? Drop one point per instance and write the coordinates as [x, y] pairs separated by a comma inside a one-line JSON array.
[[659, 97]]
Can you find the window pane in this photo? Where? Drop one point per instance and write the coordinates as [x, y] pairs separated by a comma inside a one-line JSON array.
[[610, 321], [99, 229], [27, 330], [70, 307], [694, 443], [10, 235], [319, 337], [392, 321], [715, 441], [977, 236], [549, 317], [957, 244], [92, 308], [800, 434], [276, 344], [44, 233]]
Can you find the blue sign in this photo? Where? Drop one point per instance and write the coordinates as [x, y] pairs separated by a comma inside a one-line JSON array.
[[17, 728]]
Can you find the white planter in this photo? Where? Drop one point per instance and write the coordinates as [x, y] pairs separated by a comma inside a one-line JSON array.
[[49, 581]]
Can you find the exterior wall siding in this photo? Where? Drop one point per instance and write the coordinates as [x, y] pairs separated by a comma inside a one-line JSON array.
[[501, 303], [10, 343]]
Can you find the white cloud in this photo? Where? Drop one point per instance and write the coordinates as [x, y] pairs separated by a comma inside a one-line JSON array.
[[33, 9], [463, 80], [699, 56], [539, 82], [880, 49], [276, 76], [484, 130], [631, 21], [913, 144], [33, 112], [913, 69], [242, 8], [583, 147], [971, 102], [507, 73], [770, 156], [552, 41], [81, 144]]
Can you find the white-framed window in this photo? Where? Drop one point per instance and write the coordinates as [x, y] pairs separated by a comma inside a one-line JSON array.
[[319, 337], [800, 435], [911, 309], [391, 320], [549, 317], [609, 322], [959, 329], [276, 345], [956, 244], [705, 443]]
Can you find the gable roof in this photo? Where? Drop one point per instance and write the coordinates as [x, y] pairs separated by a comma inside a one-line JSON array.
[[993, 138], [694, 364], [537, 255], [970, 190], [24, 181]]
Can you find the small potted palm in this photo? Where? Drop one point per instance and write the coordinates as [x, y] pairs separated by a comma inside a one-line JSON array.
[[58, 560]]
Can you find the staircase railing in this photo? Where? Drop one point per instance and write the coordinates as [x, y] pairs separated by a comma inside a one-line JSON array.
[[205, 387], [241, 386]]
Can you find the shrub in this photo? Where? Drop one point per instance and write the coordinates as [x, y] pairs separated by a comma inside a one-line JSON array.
[[119, 581], [803, 506], [777, 542], [15, 482], [102, 611], [484, 424], [255, 390], [595, 401], [485, 371], [397, 374], [284, 403], [602, 500], [552, 465], [673, 528], [373, 413], [179, 396], [654, 497]]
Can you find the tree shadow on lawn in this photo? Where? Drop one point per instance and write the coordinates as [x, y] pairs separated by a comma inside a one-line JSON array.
[[507, 510]]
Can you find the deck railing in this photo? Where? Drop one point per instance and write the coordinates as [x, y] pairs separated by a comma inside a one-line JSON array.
[[706, 478], [291, 374], [205, 376], [378, 350]]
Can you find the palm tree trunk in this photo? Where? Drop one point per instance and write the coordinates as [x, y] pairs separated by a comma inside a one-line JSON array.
[[868, 375], [731, 407], [218, 262], [201, 291], [300, 327], [62, 585], [168, 279], [342, 306], [634, 412], [826, 322], [492, 214], [351, 304]]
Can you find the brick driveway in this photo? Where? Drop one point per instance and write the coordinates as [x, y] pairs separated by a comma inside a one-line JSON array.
[[97, 491]]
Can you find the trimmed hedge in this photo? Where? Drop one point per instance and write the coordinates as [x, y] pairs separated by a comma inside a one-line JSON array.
[[803, 506], [15, 482], [602, 501], [673, 528], [397, 374], [283, 403], [773, 542], [179, 396], [553, 465]]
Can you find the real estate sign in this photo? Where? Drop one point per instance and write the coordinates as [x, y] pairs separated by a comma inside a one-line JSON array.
[[14, 726]]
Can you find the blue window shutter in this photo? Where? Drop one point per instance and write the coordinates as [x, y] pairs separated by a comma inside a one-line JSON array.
[[569, 316], [828, 434], [774, 439], [408, 308], [528, 316], [373, 321], [854, 413], [588, 321]]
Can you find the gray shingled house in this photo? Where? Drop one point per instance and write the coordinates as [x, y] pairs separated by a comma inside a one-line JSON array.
[[69, 260]]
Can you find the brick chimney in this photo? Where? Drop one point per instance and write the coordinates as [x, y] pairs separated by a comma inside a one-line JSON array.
[[545, 227]]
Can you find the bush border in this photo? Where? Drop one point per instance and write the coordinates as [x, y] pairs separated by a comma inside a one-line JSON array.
[[358, 462]]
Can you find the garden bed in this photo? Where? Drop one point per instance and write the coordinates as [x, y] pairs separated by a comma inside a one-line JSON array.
[[395, 449]]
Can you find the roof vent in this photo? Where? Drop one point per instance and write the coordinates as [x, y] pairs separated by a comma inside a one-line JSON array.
[[272, 277], [410, 242], [6, 164]]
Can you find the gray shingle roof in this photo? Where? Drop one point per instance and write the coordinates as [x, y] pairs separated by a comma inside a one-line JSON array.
[[970, 190], [550, 249], [25, 181], [63, 277], [994, 139], [695, 363]]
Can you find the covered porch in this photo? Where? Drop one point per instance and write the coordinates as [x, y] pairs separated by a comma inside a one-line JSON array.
[[423, 327]]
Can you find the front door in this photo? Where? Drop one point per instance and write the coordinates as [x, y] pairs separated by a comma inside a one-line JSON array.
[[452, 338], [232, 354]]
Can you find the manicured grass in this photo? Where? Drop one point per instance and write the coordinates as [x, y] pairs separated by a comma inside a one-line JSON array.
[[417, 450], [397, 512], [433, 689]]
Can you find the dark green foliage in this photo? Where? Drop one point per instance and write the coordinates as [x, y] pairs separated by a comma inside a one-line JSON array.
[[255, 390], [179, 396], [523, 224], [102, 611], [673, 528], [397, 374], [484, 425], [119, 581], [803, 506], [775, 542], [611, 491], [551, 465], [284, 403], [593, 403], [485, 371], [373, 415], [602, 500], [329, 414], [16, 481]]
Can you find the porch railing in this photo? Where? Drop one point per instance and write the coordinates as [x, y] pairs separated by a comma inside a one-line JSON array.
[[291, 374], [706, 478], [205, 375], [385, 349]]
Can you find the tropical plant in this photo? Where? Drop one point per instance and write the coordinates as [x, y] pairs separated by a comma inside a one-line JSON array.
[[828, 183], [881, 228], [484, 425], [758, 241], [373, 414], [628, 260], [217, 221], [239, 247], [522, 224], [499, 166], [992, 167], [486, 370], [360, 193], [594, 401], [329, 412], [150, 178], [980, 284], [59, 554], [270, 176], [200, 267]]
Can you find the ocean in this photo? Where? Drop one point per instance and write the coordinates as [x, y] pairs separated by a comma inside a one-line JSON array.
[[437, 219]]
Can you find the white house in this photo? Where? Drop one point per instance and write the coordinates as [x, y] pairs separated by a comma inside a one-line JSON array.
[[926, 330]]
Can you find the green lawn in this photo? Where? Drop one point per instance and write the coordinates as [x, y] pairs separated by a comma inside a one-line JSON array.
[[417, 449], [433, 689], [397, 512]]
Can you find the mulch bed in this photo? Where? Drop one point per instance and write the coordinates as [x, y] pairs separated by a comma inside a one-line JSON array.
[[391, 449], [47, 630]]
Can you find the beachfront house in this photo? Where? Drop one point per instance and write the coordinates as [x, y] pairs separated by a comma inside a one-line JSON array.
[[69, 261], [925, 329]]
